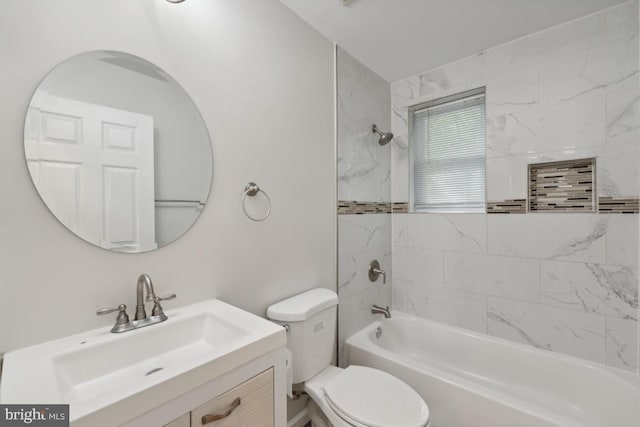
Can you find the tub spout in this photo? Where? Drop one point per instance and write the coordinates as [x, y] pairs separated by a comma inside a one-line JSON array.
[[376, 309]]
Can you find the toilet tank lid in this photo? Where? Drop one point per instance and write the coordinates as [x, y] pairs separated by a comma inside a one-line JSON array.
[[302, 306]]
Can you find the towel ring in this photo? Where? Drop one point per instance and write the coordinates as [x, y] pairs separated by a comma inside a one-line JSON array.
[[251, 189]]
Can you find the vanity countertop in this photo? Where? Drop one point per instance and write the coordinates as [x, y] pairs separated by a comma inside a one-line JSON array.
[[133, 372]]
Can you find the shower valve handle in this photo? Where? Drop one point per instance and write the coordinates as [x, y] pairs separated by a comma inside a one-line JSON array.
[[375, 271]]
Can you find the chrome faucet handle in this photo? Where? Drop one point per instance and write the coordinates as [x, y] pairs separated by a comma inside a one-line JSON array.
[[157, 308], [122, 318]]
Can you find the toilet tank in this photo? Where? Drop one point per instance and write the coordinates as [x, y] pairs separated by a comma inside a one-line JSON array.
[[311, 337]]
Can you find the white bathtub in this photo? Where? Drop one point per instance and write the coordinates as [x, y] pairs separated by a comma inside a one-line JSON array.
[[474, 380]]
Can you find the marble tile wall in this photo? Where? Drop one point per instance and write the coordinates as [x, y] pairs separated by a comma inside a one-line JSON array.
[[566, 282], [364, 186], [565, 93], [364, 99], [563, 282]]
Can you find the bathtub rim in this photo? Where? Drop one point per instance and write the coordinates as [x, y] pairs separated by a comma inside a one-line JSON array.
[[364, 341], [629, 377]]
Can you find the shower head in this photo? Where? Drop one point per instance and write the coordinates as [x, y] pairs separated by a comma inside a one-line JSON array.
[[385, 137]]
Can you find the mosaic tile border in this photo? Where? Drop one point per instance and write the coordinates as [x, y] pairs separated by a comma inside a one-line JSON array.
[[619, 205], [566, 186], [352, 207], [508, 206], [606, 205], [400, 207]]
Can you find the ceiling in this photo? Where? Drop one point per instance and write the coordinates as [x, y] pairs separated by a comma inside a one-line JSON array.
[[400, 38]]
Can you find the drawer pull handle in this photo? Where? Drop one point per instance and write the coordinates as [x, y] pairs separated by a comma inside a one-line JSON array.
[[211, 418]]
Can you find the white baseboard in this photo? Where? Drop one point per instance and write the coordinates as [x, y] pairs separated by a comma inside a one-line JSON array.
[[299, 420]]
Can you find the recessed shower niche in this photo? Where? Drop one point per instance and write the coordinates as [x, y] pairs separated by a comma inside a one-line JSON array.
[[118, 151], [565, 186]]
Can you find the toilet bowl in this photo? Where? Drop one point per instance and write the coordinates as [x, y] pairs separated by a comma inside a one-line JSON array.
[[365, 397], [356, 396]]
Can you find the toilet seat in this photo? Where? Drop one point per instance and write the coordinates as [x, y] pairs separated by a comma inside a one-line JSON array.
[[367, 397]]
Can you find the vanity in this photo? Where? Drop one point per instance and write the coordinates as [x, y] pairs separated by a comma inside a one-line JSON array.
[[209, 363]]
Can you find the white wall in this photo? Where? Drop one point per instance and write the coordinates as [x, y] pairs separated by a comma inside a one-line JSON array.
[[562, 282], [236, 59]]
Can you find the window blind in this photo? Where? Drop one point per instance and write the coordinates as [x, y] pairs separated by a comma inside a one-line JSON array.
[[448, 141]]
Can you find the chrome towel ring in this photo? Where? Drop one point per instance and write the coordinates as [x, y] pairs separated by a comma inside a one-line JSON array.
[[251, 189]]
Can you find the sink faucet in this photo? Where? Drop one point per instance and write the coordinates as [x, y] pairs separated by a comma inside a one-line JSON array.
[[144, 282], [140, 319], [376, 309]]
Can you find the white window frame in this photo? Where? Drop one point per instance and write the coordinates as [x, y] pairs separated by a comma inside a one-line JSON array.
[[411, 158]]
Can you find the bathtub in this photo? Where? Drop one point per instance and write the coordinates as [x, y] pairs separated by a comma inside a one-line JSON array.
[[474, 380]]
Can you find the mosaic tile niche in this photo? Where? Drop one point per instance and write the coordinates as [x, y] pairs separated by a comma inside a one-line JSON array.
[[562, 186]]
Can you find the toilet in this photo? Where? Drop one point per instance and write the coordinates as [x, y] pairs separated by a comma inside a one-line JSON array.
[[355, 396]]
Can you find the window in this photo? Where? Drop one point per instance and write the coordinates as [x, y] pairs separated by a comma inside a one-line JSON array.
[[448, 154]]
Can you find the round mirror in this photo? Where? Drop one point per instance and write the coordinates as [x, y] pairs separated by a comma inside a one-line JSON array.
[[118, 151]]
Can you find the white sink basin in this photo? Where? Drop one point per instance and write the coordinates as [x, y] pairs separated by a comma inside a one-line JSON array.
[[94, 370]]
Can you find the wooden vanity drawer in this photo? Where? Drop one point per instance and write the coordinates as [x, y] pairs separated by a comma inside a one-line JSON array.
[[255, 407], [183, 421]]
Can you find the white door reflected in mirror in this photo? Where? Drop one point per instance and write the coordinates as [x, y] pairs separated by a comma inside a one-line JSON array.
[[118, 151]]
